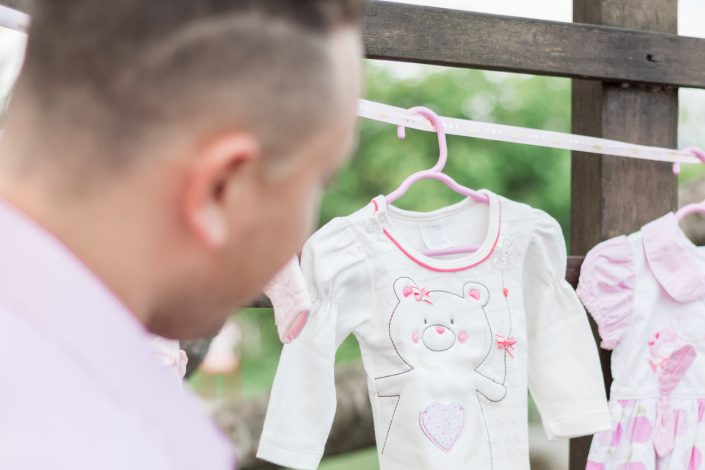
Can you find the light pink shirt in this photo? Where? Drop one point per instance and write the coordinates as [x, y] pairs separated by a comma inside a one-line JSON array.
[[80, 387]]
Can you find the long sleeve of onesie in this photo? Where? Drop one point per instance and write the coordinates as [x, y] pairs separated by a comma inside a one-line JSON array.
[[302, 403], [564, 372]]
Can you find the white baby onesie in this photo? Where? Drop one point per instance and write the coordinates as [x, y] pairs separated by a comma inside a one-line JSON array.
[[449, 344]]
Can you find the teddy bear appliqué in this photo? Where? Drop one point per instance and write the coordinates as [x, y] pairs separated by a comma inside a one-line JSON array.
[[443, 338]]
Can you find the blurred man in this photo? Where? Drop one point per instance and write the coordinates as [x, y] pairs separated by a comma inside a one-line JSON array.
[[161, 160]]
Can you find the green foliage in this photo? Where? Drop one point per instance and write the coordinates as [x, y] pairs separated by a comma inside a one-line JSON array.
[[362, 459], [537, 176]]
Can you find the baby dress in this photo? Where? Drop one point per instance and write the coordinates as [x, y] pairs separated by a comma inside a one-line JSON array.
[[449, 344], [646, 293]]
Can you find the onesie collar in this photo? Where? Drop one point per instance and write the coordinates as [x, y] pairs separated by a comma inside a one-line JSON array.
[[674, 259]]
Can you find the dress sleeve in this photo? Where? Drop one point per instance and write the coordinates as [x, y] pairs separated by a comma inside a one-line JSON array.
[[564, 374], [303, 400], [290, 300], [606, 288]]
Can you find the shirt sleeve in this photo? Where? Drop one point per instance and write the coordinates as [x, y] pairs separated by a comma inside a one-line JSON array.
[[564, 373], [303, 402], [290, 300], [606, 287]]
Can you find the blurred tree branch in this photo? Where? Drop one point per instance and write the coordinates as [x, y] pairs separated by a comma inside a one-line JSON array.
[[352, 428]]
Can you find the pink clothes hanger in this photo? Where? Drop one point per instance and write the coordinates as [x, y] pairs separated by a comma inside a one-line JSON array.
[[436, 172], [698, 207]]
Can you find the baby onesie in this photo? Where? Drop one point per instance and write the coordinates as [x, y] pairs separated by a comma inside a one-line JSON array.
[[449, 344], [645, 292]]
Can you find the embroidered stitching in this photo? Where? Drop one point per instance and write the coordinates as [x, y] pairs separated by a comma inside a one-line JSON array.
[[432, 420], [468, 293]]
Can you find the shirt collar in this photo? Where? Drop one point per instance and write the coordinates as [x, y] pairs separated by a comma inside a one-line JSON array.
[[674, 259]]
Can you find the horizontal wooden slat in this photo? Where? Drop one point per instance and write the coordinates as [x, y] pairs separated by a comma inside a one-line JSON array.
[[572, 274], [411, 33]]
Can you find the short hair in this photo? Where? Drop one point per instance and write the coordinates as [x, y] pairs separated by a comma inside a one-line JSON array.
[[117, 73]]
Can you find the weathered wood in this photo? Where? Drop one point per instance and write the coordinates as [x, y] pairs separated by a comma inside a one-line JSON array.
[[24, 6], [262, 302], [429, 35], [196, 351], [573, 272], [612, 195]]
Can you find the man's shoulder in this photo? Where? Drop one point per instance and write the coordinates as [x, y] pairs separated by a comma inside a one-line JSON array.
[[55, 414]]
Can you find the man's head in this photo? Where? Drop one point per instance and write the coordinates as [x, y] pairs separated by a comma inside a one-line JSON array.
[[180, 146]]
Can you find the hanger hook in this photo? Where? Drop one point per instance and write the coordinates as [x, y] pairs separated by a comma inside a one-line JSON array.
[[696, 152], [437, 124]]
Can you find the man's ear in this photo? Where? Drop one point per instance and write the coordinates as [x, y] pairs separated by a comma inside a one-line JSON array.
[[218, 167]]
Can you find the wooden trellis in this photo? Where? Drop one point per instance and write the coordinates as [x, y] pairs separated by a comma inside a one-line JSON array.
[[627, 62]]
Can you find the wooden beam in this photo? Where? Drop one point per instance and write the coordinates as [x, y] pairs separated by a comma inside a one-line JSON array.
[[24, 6], [611, 195], [410, 33]]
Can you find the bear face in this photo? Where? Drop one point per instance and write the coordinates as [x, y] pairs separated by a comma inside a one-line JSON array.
[[428, 323]]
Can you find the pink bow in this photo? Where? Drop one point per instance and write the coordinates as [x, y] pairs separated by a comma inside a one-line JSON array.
[[419, 294], [506, 343]]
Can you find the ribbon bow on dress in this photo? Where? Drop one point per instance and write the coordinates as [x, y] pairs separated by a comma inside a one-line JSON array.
[[506, 343], [421, 295]]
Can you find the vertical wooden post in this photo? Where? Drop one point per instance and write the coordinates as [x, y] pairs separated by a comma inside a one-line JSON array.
[[612, 195]]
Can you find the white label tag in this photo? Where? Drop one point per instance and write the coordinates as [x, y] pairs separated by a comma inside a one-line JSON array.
[[434, 235]]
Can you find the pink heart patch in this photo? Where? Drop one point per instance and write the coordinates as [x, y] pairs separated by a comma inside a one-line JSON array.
[[443, 424]]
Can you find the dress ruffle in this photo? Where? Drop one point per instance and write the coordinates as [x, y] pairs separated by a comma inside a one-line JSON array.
[[630, 443]]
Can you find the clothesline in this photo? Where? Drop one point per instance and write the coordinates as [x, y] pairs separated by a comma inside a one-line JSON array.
[[520, 135], [13, 19]]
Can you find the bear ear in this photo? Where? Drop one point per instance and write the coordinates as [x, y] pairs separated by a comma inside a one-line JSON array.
[[401, 284], [474, 292]]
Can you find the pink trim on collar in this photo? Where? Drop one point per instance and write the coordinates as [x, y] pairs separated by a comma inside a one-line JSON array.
[[673, 259], [448, 270]]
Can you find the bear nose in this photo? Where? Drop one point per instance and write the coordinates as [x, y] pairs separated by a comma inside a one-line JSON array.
[[440, 330]]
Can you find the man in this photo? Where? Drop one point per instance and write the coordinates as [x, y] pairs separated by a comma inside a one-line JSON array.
[[160, 161]]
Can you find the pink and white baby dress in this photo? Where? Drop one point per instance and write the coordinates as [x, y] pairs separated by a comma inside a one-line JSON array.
[[450, 344], [646, 292]]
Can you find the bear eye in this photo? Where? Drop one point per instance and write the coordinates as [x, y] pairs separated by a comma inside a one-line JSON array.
[[452, 321], [425, 321]]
